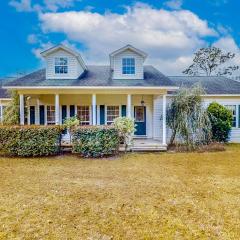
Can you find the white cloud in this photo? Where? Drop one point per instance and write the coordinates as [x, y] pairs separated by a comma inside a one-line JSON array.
[[167, 36], [54, 5], [47, 5], [22, 5], [174, 4], [32, 39], [228, 44]]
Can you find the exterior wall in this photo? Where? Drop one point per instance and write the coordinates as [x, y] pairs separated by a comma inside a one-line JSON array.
[[74, 68], [117, 65], [157, 117], [86, 100], [235, 132]]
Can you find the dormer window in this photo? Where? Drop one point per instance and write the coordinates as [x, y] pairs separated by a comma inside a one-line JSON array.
[[61, 65], [128, 66]]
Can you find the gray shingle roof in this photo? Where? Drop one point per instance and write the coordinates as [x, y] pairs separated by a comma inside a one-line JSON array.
[[3, 93], [94, 76], [211, 85]]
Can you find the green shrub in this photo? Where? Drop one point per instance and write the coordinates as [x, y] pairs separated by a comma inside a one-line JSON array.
[[126, 128], [95, 141], [221, 121], [30, 141]]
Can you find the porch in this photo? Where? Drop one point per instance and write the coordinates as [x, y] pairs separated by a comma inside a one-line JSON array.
[[148, 111]]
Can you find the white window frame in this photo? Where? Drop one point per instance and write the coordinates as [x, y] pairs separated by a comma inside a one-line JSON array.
[[46, 115], [129, 66], [82, 123], [59, 63], [228, 106], [106, 107]]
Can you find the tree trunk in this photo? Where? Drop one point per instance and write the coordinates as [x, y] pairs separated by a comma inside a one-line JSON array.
[[174, 132]]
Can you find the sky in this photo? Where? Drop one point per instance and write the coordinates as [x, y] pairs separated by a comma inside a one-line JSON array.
[[169, 31]]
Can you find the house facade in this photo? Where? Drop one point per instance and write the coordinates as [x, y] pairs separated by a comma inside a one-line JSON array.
[[98, 94]]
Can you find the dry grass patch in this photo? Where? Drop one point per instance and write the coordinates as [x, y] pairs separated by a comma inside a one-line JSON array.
[[136, 196]]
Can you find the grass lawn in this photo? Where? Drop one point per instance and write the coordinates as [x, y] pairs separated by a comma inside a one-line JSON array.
[[136, 196]]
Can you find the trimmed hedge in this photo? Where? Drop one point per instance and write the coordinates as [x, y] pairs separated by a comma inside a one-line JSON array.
[[30, 141], [95, 141]]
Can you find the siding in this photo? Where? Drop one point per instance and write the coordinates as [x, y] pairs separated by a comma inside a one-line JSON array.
[[157, 117], [117, 65], [235, 132], [74, 68]]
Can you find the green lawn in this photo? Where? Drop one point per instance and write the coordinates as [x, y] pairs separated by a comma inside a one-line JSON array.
[[137, 196]]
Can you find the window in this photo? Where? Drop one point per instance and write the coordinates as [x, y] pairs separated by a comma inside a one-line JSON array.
[[61, 65], [50, 115], [83, 113], [233, 108], [128, 66], [112, 113], [139, 114]]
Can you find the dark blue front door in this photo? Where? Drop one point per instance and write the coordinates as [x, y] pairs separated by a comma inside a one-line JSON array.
[[140, 120]]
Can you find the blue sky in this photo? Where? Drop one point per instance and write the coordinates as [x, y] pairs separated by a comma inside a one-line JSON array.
[[169, 31]]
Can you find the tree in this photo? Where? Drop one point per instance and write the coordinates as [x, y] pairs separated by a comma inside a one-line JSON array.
[[211, 60], [12, 111], [188, 119], [221, 121]]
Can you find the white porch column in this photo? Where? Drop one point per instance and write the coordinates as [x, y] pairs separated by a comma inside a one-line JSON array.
[[164, 137], [94, 109], [57, 109], [21, 98], [129, 105]]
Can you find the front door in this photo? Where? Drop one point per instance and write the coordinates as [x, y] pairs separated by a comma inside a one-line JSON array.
[[140, 120]]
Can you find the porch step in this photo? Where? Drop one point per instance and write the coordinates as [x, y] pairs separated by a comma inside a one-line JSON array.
[[149, 148]]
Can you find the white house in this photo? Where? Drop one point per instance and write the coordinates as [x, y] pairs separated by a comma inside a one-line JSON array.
[[98, 94]]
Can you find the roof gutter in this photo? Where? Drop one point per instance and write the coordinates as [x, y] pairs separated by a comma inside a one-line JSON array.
[[92, 87]]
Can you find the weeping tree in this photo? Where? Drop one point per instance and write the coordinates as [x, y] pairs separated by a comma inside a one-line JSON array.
[[188, 119], [12, 112]]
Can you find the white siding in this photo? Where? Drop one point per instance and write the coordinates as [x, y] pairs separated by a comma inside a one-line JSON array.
[[117, 65], [157, 117], [235, 132], [74, 67]]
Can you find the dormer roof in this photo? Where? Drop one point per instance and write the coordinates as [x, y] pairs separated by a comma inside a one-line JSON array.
[[67, 49], [131, 48]]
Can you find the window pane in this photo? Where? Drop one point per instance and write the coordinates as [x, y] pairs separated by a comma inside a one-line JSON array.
[[112, 113], [233, 109], [61, 65], [128, 66], [139, 114], [83, 113]]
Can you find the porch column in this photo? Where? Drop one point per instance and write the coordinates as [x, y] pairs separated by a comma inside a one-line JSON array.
[[94, 109], [164, 137], [57, 109], [21, 102], [129, 105]]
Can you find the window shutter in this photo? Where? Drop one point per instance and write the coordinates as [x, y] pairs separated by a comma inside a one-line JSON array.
[[64, 113], [41, 115], [102, 114], [124, 111], [72, 110], [32, 115], [239, 116]]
